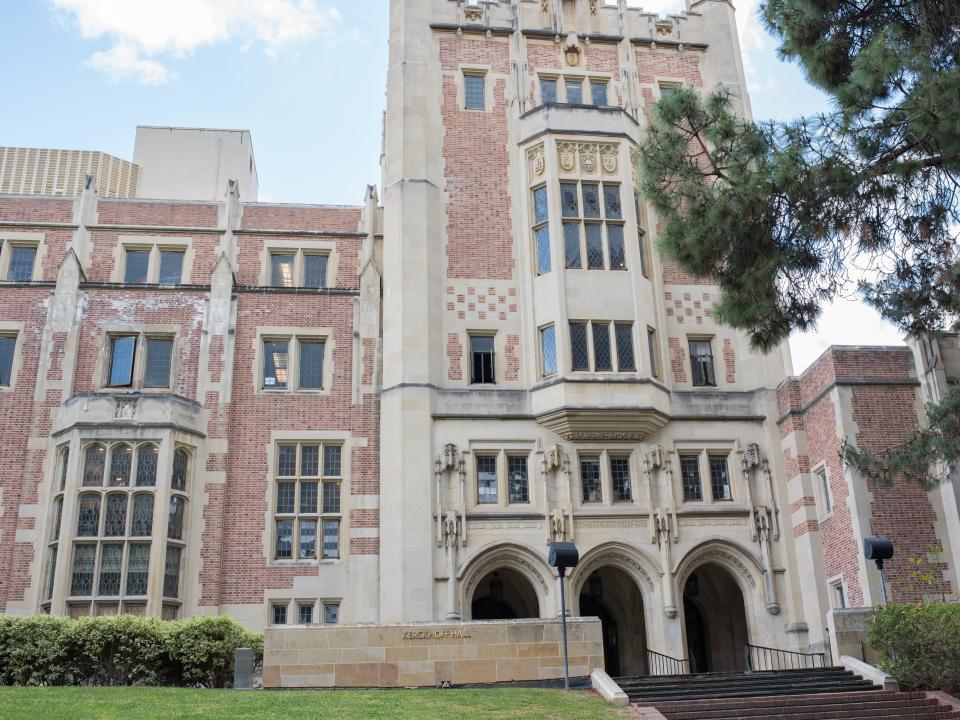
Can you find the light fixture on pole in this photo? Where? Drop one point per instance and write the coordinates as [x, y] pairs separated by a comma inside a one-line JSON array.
[[563, 555], [879, 549]]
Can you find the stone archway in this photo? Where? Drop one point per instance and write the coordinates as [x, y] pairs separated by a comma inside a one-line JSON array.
[[504, 594], [505, 581], [611, 594], [715, 620]]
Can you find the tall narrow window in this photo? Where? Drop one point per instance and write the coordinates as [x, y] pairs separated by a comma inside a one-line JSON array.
[[138, 568], [305, 611], [300, 515], [281, 270], [279, 614], [276, 362], [601, 346], [826, 497], [541, 229], [517, 483], [121, 465], [720, 477], [486, 479], [473, 91], [579, 349], [171, 572], [147, 456], [548, 90], [88, 516], [690, 476], [84, 560], [181, 461], [157, 373], [111, 564], [22, 259], [620, 478], [701, 363], [598, 92], [548, 349], [315, 271], [331, 539], [94, 462], [175, 517], [115, 520], [311, 364], [481, 359], [625, 360], [592, 225], [141, 524], [8, 346], [839, 599], [136, 266], [641, 238], [590, 478], [122, 350], [574, 92], [171, 267], [653, 348]]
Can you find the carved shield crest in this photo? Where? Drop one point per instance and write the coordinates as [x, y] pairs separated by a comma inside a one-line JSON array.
[[608, 159], [588, 158], [568, 156], [537, 164]]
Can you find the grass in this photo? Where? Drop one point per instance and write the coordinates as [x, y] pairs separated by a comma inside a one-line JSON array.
[[101, 703]]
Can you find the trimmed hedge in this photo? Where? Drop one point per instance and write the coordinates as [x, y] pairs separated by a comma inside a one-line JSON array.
[[121, 650], [919, 644]]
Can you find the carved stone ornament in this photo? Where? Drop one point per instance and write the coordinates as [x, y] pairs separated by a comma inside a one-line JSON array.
[[588, 158], [473, 13], [608, 158], [655, 456], [593, 7], [448, 458], [568, 156], [537, 160], [125, 409], [664, 27], [571, 50], [554, 457], [545, 6], [752, 455]]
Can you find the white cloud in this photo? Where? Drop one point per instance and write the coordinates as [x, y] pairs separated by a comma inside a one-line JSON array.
[[145, 33]]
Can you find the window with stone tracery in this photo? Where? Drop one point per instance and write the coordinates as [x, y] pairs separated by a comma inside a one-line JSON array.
[[592, 216], [307, 507]]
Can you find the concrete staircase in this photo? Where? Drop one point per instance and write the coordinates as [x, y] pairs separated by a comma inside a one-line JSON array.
[[816, 694]]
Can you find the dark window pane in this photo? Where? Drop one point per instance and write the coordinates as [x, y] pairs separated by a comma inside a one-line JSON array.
[[64, 464], [690, 475], [579, 350], [482, 356], [308, 539], [701, 362], [57, 518], [618, 260], [138, 566], [306, 614], [315, 271], [331, 538], [142, 521], [332, 460], [620, 479], [719, 478], [94, 459], [51, 574], [473, 92], [548, 90], [569, 202], [590, 478], [311, 365], [548, 350], [654, 353], [331, 497], [276, 361], [284, 539], [517, 482], [310, 460], [115, 517], [136, 266], [625, 360], [308, 497], [287, 461], [111, 562], [88, 516], [171, 572], [543, 250], [159, 351], [574, 92], [591, 201], [486, 479], [181, 461], [121, 360], [594, 234], [642, 242], [121, 463], [175, 517], [8, 345], [611, 202], [540, 206], [285, 496], [281, 270], [171, 267], [84, 558], [21, 263], [147, 456], [571, 245], [598, 91], [279, 614], [601, 346], [331, 613]]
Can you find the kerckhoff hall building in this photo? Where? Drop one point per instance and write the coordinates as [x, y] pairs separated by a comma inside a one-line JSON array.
[[305, 416]]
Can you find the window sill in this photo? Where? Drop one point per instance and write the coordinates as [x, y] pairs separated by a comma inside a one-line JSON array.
[[304, 563]]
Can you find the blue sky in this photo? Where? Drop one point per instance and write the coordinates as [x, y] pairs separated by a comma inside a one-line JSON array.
[[306, 77]]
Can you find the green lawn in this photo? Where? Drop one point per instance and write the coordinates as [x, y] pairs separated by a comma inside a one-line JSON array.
[[72, 703]]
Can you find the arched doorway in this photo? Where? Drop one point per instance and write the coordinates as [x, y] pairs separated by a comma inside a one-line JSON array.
[[611, 594], [504, 594], [715, 620]]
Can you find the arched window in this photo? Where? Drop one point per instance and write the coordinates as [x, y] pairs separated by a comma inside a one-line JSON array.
[[88, 518], [94, 460], [142, 515], [181, 462], [115, 518], [175, 519], [147, 465], [121, 461]]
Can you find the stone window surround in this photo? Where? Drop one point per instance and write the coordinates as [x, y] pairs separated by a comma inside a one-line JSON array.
[[653, 351], [704, 338], [818, 491], [486, 71], [293, 609], [267, 333], [9, 328], [278, 437], [101, 372], [500, 450], [299, 248], [703, 451], [614, 352], [540, 348], [76, 443], [834, 584], [10, 240], [153, 243], [605, 452], [574, 74], [499, 358]]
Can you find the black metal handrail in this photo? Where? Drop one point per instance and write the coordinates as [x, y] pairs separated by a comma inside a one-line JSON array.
[[759, 658], [660, 664]]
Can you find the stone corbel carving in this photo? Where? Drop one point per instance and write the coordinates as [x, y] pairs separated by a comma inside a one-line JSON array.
[[558, 525], [593, 7], [747, 463], [652, 461], [664, 540], [449, 459], [762, 524], [473, 13], [571, 49]]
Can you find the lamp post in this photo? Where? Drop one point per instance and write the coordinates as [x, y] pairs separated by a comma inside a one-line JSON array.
[[879, 549], [563, 555]]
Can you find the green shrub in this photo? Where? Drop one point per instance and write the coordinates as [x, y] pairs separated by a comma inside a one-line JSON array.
[[122, 650], [919, 644]]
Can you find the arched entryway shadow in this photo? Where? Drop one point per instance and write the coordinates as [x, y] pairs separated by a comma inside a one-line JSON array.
[[715, 620], [612, 595], [504, 594]]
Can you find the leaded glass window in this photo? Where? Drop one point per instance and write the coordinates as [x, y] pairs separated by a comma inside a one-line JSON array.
[[115, 517], [569, 200], [548, 90], [310, 460], [138, 568], [159, 354], [474, 97], [548, 350], [147, 456], [306, 613], [331, 613], [142, 522], [598, 93], [540, 207], [22, 258], [618, 259], [309, 477], [51, 573], [591, 201], [57, 518], [171, 267], [574, 92], [331, 460], [171, 572], [181, 462], [286, 491], [653, 348], [620, 478], [601, 346], [8, 347], [331, 539], [121, 462], [593, 225], [175, 517], [287, 466], [625, 358], [331, 497], [590, 478], [276, 363], [311, 364], [543, 250], [122, 351], [594, 234], [88, 517], [281, 270], [579, 349], [308, 538], [111, 569], [517, 482], [137, 266], [486, 479], [611, 202], [690, 477], [541, 229], [315, 271], [308, 498], [719, 477], [84, 561], [571, 245], [284, 539], [279, 614]]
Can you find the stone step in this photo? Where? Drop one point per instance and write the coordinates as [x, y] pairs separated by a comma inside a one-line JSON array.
[[846, 708], [746, 690], [772, 703], [721, 679]]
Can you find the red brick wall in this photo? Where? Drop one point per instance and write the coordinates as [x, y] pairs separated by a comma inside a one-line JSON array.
[[104, 255], [250, 258], [31, 209], [125, 212], [654, 65], [261, 216]]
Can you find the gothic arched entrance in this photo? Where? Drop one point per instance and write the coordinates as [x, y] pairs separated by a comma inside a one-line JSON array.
[[715, 620], [504, 594], [612, 595]]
